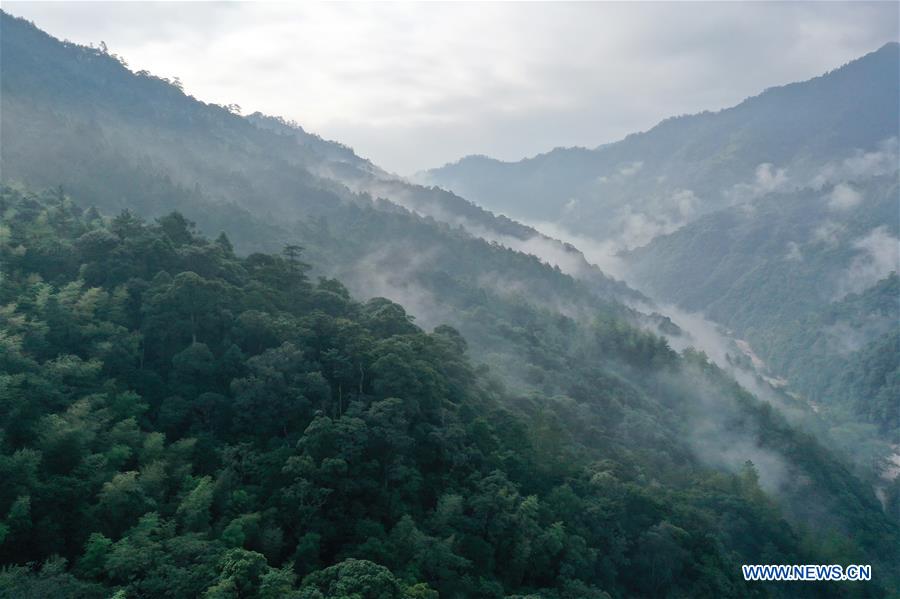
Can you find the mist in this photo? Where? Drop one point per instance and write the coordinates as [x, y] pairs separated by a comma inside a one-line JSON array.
[[878, 255]]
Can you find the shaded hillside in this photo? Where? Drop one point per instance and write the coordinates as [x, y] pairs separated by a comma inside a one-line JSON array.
[[180, 420], [760, 216], [806, 277], [187, 414], [77, 117], [651, 183]]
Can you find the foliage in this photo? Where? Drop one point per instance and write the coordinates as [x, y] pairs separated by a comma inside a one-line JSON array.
[[234, 430]]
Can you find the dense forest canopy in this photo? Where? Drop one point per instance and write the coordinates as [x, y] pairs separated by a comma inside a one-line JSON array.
[[178, 419], [205, 390]]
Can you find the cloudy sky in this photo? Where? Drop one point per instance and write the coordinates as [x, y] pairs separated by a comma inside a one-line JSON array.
[[413, 86]]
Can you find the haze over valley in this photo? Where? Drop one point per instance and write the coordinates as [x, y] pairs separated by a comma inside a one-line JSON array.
[[242, 360]]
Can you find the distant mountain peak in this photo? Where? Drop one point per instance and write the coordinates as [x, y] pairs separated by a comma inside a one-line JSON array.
[[693, 164]]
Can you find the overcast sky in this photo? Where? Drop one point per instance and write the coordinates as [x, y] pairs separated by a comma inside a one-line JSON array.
[[413, 86]]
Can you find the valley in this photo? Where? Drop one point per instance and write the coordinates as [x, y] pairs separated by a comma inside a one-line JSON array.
[[240, 360]]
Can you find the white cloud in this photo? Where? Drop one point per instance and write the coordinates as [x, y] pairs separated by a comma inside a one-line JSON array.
[[843, 197], [879, 255], [629, 169], [686, 202], [663, 216], [638, 229], [635, 229], [599, 253], [623, 172], [767, 179], [828, 233], [861, 165]]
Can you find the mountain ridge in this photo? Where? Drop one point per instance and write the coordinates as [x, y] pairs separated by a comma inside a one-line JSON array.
[[884, 49], [181, 416], [302, 163], [705, 154]]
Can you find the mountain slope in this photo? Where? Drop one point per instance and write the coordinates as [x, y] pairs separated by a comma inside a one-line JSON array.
[[76, 117], [762, 216], [810, 282], [181, 420], [132, 302], [169, 150], [651, 183], [758, 265]]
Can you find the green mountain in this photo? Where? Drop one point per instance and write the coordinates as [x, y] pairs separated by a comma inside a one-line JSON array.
[[142, 133], [187, 417], [653, 182], [179, 420], [810, 280], [763, 217]]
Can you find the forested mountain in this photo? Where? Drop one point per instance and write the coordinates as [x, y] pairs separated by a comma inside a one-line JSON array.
[[810, 279], [77, 117], [62, 101], [767, 217], [246, 417], [178, 420], [653, 182]]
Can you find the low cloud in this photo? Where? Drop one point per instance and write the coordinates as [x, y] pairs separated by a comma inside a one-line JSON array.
[[878, 255], [847, 337], [623, 172], [843, 197], [664, 216], [721, 436], [828, 233], [390, 272], [794, 254], [629, 169], [861, 165], [635, 229], [767, 179], [603, 254]]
